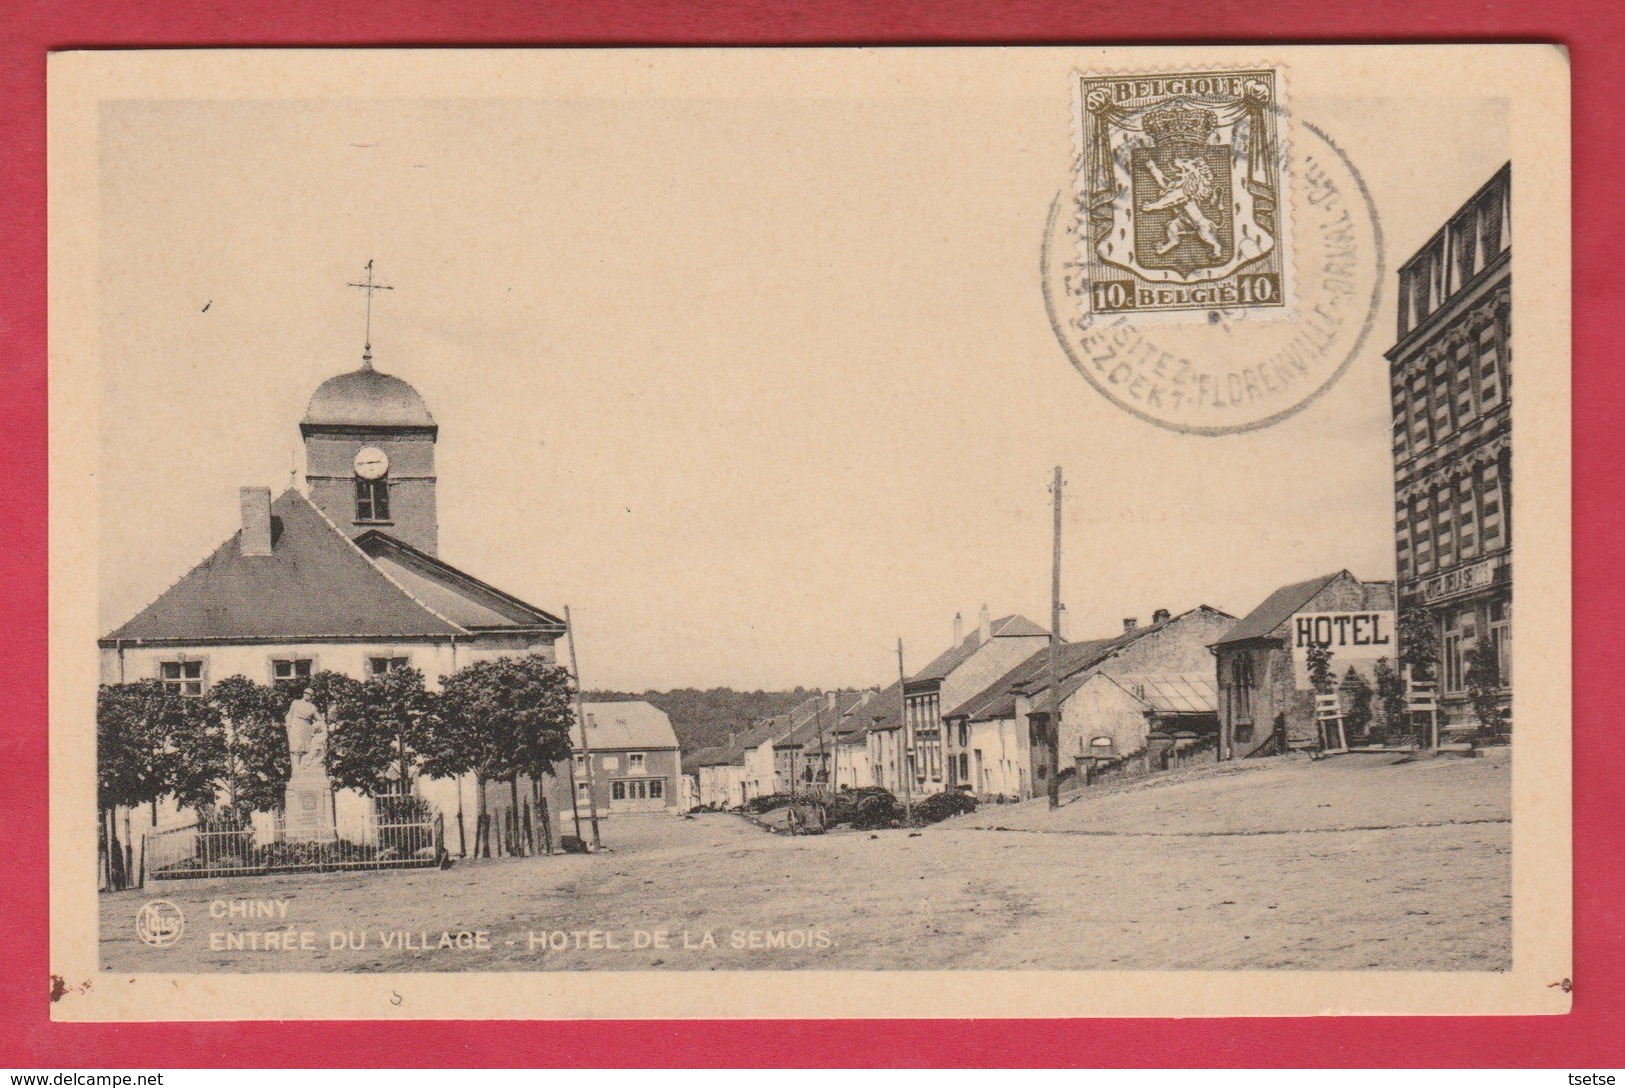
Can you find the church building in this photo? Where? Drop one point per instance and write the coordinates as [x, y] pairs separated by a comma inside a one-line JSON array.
[[344, 576]]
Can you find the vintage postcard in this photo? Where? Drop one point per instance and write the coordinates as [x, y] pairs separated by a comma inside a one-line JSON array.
[[817, 533]]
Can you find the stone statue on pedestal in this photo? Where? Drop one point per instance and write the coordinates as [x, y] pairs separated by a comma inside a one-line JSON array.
[[307, 734], [307, 806]]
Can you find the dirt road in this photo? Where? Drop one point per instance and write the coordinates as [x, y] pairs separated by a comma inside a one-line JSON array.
[[1348, 863]]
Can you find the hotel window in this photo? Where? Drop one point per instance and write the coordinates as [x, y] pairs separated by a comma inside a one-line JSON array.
[[635, 762], [1492, 533], [1465, 400], [1444, 534], [1465, 230], [1466, 518], [1423, 534], [657, 788], [964, 735], [291, 674], [1488, 368], [372, 499], [1419, 293], [182, 677], [380, 666], [1460, 629], [1501, 639], [581, 790], [1489, 221], [1419, 412], [1442, 423]]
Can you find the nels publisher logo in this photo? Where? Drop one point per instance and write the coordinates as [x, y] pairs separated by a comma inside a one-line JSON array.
[[159, 923]]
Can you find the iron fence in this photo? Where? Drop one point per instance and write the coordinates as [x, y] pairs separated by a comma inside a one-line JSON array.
[[218, 848]]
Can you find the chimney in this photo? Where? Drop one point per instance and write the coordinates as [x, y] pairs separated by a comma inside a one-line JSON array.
[[1160, 615], [984, 630], [1060, 628], [256, 537], [1130, 623], [830, 698], [959, 628]]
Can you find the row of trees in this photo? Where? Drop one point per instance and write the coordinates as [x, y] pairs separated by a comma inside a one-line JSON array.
[[227, 750]]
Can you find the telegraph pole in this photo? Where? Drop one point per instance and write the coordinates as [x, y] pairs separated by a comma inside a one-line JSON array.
[[1052, 731], [586, 751], [906, 738]]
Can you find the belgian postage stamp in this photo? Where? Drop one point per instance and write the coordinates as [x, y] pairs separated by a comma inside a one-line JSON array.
[[1184, 189], [621, 533]]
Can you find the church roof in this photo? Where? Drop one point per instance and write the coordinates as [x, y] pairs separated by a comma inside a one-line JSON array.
[[366, 398], [317, 583]]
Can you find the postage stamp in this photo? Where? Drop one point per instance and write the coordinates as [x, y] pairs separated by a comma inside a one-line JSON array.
[[1235, 363], [1182, 182]]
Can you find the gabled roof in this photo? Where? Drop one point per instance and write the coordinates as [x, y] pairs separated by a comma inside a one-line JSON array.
[[822, 720], [631, 724], [315, 583], [1278, 607], [1031, 677], [883, 711], [318, 583], [707, 757], [953, 657]]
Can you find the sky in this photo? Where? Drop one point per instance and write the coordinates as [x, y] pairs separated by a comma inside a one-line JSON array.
[[756, 383]]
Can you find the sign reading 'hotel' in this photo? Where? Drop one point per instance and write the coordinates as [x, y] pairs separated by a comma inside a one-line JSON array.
[[1350, 636]]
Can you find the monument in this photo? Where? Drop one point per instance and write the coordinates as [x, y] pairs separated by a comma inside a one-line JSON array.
[[308, 803]]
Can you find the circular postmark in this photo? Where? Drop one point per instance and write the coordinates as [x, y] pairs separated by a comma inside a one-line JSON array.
[[1234, 370], [159, 923]]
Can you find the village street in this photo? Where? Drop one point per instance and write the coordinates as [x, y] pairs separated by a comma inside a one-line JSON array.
[[1354, 862]]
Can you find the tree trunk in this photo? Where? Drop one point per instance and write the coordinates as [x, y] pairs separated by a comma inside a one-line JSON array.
[[517, 846], [115, 854], [400, 748]]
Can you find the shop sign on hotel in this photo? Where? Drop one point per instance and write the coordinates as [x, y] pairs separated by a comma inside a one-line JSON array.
[[1462, 579]]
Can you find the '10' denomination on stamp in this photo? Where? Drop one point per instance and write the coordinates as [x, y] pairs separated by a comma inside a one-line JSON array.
[[1181, 192]]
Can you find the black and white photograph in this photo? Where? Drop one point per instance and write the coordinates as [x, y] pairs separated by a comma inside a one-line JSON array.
[[1029, 529]]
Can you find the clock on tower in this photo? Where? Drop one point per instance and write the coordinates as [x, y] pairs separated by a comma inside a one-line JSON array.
[[369, 456]]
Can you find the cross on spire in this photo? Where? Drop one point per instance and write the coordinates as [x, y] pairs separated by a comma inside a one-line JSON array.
[[369, 287]]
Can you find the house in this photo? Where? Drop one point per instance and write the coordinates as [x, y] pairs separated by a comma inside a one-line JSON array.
[[1115, 693], [884, 743], [344, 578], [966, 667], [719, 775], [852, 768], [631, 764], [1265, 700], [804, 757]]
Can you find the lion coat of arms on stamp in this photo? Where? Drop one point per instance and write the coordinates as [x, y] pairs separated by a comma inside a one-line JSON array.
[[1181, 191]]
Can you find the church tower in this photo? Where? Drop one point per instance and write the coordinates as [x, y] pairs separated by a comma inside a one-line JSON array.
[[369, 456]]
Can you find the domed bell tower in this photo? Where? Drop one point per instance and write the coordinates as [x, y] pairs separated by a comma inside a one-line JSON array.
[[369, 456], [369, 451]]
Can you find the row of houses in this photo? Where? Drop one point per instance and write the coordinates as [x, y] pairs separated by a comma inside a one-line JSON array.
[[1199, 684]]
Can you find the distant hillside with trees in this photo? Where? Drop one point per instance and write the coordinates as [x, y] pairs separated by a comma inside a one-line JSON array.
[[703, 718]]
